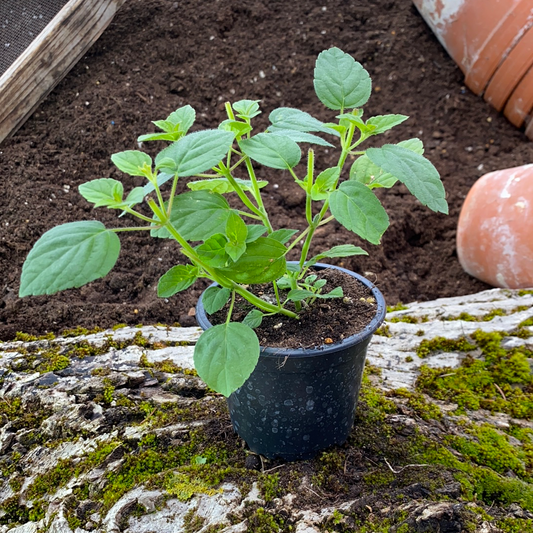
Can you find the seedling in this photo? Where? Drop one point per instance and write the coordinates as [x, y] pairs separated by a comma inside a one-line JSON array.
[[237, 248]]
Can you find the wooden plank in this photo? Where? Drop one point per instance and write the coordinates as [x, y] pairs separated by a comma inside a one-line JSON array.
[[49, 58]]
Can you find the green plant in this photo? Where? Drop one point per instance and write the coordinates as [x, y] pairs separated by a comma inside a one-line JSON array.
[[215, 238]]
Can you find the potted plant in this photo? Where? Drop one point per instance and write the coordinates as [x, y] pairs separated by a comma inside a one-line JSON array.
[[299, 400]]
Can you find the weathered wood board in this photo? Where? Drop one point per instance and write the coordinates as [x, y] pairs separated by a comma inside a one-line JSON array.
[[50, 57]]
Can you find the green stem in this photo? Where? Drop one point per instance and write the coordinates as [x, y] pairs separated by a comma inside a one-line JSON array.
[[257, 194], [230, 310], [140, 216], [242, 195], [245, 214], [172, 194], [189, 252], [297, 240], [139, 228], [310, 173]]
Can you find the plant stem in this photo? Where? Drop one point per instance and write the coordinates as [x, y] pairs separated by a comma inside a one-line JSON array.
[[230, 310], [212, 274], [310, 173], [257, 194], [242, 195]]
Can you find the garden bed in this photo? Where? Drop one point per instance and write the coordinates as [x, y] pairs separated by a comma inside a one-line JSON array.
[[158, 55]]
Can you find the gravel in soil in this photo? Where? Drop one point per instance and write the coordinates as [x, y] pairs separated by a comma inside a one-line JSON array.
[[158, 55]]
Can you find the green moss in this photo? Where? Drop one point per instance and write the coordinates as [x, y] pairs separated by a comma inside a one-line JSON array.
[[19, 514], [491, 314], [502, 381], [52, 480], [398, 307], [515, 525], [526, 323], [184, 487], [167, 365], [78, 330], [269, 485], [101, 372], [486, 446], [478, 482], [261, 521], [525, 292], [406, 318], [23, 415], [441, 344], [384, 331], [26, 337], [425, 409], [376, 406], [192, 523]]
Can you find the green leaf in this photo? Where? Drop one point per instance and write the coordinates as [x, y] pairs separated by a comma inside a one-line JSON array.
[[236, 232], [177, 279], [247, 109], [165, 125], [213, 251], [263, 261], [215, 298], [196, 152], [364, 171], [135, 196], [297, 295], [225, 356], [132, 162], [342, 250], [319, 284], [340, 81], [157, 137], [383, 123], [253, 319], [337, 292], [237, 127], [223, 186], [284, 282], [415, 171], [254, 232], [175, 126], [300, 136], [274, 151], [413, 144], [69, 256], [288, 118], [197, 215], [323, 183], [104, 191], [183, 117], [346, 119], [283, 235], [357, 209]]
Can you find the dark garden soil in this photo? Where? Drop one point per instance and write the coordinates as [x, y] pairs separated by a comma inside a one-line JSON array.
[[158, 55]]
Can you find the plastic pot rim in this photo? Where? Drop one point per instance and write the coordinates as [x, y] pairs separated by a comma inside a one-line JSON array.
[[361, 336]]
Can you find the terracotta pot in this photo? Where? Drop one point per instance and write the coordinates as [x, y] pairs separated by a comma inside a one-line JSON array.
[[492, 42], [494, 233]]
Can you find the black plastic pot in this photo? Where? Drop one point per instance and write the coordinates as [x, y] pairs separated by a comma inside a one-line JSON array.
[[298, 402]]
